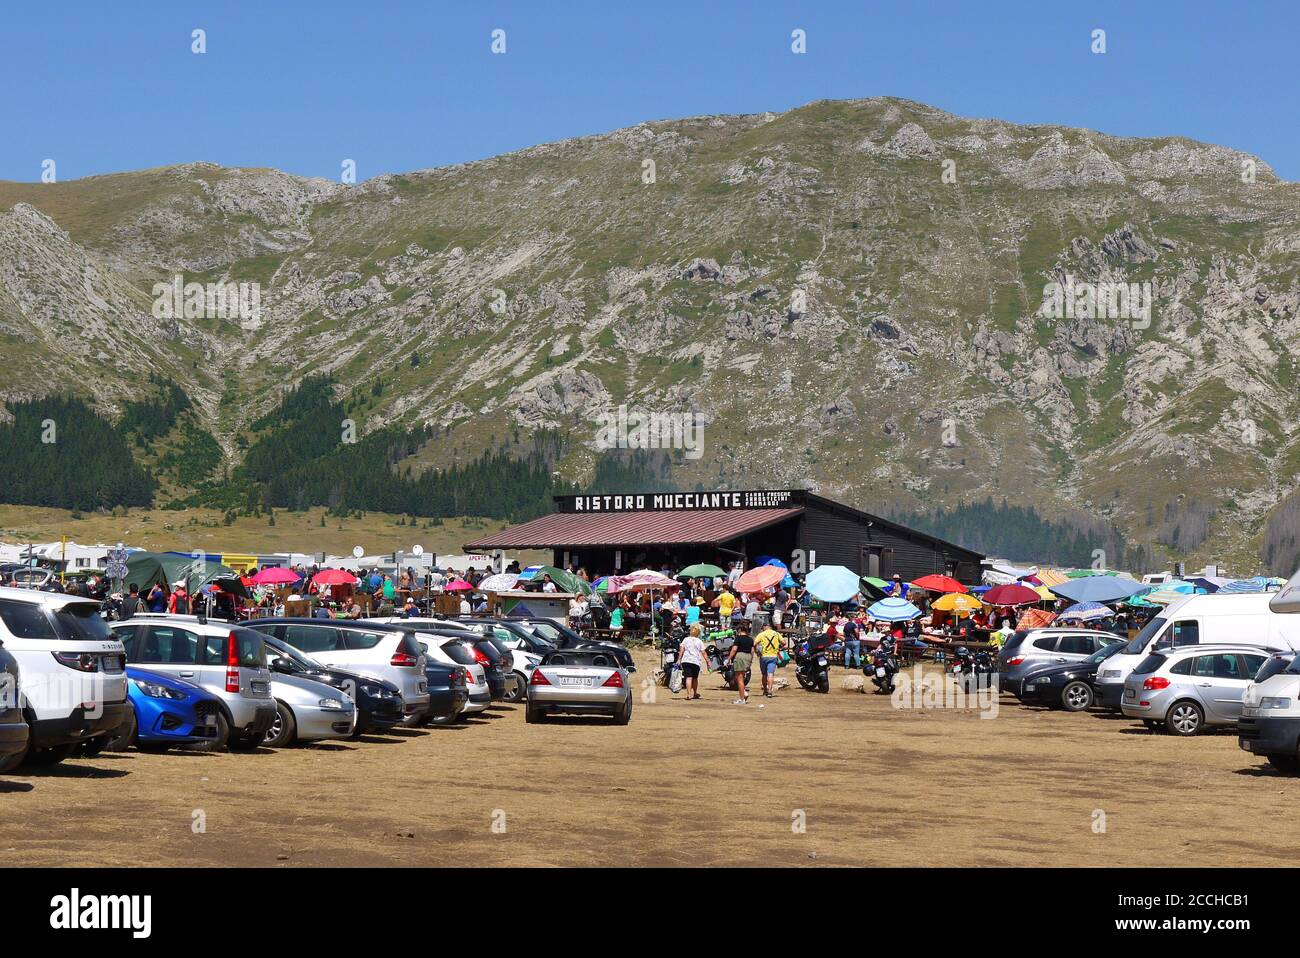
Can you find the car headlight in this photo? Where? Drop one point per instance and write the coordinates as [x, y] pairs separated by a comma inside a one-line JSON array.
[[1274, 702], [158, 691], [333, 705], [372, 690]]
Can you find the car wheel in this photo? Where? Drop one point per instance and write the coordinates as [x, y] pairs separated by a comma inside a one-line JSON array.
[[1285, 763], [10, 762], [283, 730], [120, 739], [533, 715], [445, 719], [45, 757], [1076, 696], [1151, 724], [624, 715], [1184, 718], [216, 744], [518, 690]]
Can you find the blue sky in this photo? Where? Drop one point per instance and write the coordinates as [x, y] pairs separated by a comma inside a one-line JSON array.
[[400, 85]]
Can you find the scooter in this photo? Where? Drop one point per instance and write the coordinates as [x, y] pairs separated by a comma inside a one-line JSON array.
[[812, 668], [668, 649], [883, 667]]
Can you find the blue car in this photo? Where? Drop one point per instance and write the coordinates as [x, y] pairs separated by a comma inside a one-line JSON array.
[[164, 711]]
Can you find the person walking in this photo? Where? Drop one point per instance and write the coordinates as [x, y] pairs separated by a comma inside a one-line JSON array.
[[769, 643], [740, 658], [690, 658]]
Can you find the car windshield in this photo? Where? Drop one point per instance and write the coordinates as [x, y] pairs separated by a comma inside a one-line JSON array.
[[1276, 664], [1149, 664], [1139, 643], [289, 652], [80, 621], [459, 652], [1113, 649]]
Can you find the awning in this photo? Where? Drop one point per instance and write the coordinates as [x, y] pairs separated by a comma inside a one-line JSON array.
[[613, 529]]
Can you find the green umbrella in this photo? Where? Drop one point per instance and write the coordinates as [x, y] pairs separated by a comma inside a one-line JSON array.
[[564, 581], [872, 580], [701, 570]]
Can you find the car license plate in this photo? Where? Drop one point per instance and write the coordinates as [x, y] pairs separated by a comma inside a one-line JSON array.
[[576, 680], [260, 686], [424, 687], [1129, 694]]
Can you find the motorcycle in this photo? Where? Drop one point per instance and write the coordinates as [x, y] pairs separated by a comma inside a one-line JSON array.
[[668, 649], [973, 670], [883, 667], [717, 650], [812, 667]]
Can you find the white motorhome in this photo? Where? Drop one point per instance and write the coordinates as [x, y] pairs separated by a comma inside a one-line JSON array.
[[1234, 619]]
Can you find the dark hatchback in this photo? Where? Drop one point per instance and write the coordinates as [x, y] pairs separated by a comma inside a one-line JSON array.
[[13, 727], [563, 637], [1068, 685], [448, 691], [379, 702]]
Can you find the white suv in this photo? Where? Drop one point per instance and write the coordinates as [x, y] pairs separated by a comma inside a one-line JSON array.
[[72, 683]]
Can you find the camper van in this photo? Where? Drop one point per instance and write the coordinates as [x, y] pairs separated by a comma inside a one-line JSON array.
[[1235, 619]]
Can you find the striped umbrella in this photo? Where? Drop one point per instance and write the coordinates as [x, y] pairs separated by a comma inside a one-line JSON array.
[[1171, 591], [1257, 583], [893, 609]]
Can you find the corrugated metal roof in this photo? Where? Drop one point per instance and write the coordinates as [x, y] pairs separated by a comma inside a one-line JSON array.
[[685, 527]]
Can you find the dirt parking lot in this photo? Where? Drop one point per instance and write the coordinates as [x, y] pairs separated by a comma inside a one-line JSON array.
[[687, 783]]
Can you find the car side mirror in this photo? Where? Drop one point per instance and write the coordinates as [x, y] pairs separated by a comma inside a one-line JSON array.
[[282, 665]]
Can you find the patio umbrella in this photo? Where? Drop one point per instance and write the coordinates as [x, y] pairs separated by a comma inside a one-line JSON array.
[[1256, 583], [1035, 619], [832, 583], [458, 585], [644, 579], [759, 578], [939, 583], [501, 582], [1012, 594], [564, 581], [956, 602], [702, 570], [1098, 588], [1051, 577], [872, 580], [276, 575], [893, 609], [334, 577], [1085, 612], [529, 573]]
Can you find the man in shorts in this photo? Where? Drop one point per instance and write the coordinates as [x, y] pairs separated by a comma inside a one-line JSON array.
[[740, 658], [769, 643]]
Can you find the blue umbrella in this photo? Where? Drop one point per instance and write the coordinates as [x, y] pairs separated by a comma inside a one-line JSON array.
[[893, 609], [1086, 612], [1098, 588], [768, 560], [833, 583]]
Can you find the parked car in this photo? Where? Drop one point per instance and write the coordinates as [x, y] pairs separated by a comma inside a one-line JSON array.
[[71, 672], [1028, 650], [1270, 713], [579, 681], [13, 727], [366, 647], [1066, 685], [448, 692], [461, 654], [520, 650], [483, 651], [1234, 618], [165, 711], [228, 661], [1186, 689], [308, 711], [379, 702]]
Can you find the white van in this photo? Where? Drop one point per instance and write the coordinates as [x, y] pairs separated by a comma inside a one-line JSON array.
[[1270, 713], [1234, 619]]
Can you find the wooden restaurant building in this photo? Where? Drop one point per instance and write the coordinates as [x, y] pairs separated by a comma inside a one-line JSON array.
[[608, 534]]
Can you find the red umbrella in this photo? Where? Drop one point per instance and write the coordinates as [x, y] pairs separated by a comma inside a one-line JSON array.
[[759, 578], [1014, 594], [334, 577], [939, 583], [458, 585], [276, 576]]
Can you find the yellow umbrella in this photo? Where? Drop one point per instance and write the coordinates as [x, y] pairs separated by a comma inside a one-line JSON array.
[[1045, 592], [957, 603]]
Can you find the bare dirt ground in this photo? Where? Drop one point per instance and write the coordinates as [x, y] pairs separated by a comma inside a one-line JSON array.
[[687, 783]]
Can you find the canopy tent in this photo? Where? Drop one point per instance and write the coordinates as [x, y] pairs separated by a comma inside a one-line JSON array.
[[146, 568], [1098, 588], [523, 611], [833, 583]]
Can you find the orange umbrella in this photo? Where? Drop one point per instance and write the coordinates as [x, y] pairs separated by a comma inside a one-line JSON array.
[[759, 578], [939, 583]]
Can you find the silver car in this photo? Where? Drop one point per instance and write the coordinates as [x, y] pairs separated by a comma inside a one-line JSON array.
[[1028, 651], [579, 681], [1186, 689], [308, 711]]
